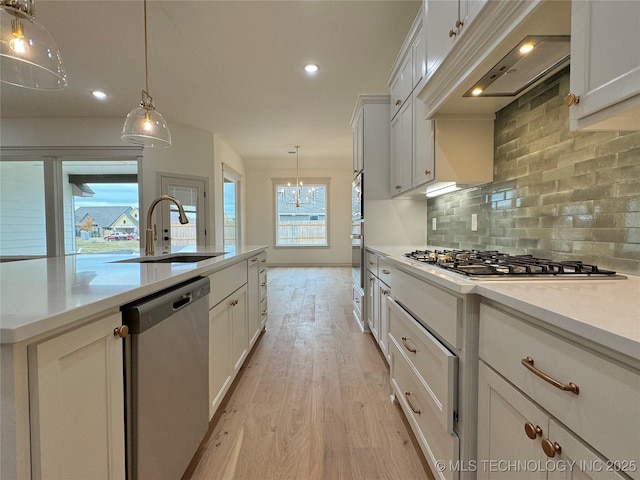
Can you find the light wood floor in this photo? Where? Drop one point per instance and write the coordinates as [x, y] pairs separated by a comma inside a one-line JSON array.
[[313, 399]]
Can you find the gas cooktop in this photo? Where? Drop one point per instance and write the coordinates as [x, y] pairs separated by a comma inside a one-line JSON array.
[[497, 265]]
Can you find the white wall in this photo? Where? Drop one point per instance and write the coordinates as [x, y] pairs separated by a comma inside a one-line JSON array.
[[260, 209], [223, 154], [191, 153]]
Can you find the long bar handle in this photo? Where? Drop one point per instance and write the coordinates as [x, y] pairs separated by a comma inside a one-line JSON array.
[[570, 387]]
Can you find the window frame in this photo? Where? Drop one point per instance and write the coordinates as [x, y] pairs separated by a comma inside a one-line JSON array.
[[53, 158], [307, 181]]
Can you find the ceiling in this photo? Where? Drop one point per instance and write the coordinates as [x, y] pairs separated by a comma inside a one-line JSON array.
[[230, 67]]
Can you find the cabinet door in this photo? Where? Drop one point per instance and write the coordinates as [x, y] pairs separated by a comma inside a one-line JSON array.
[[358, 146], [402, 84], [77, 403], [605, 65], [419, 56], [503, 415], [370, 309], [440, 20], [576, 461], [254, 319], [239, 327], [220, 370], [402, 149], [423, 146], [383, 324]]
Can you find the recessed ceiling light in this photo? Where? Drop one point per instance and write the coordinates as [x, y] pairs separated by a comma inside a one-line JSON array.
[[311, 68], [100, 95]]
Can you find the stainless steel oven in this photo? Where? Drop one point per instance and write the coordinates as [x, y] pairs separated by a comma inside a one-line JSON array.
[[357, 253], [357, 213]]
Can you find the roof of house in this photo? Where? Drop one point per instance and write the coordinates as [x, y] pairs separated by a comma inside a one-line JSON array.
[[104, 216]]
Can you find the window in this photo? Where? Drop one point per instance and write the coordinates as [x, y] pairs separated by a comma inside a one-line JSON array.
[[301, 212], [68, 201], [231, 204]]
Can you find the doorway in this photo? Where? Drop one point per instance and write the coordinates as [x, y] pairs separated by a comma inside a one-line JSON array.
[[191, 192]]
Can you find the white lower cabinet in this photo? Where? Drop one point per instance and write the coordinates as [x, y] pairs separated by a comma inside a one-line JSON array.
[[424, 379], [517, 439], [77, 403], [551, 404], [228, 344]]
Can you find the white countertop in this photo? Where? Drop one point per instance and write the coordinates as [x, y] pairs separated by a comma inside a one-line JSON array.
[[41, 295], [605, 311]]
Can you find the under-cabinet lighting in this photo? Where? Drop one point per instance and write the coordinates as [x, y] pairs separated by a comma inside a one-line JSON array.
[[445, 188]]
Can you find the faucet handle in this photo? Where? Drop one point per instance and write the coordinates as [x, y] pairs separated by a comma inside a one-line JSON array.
[[155, 232]]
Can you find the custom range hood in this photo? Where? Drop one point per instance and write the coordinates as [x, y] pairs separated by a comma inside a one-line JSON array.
[[532, 59], [507, 49]]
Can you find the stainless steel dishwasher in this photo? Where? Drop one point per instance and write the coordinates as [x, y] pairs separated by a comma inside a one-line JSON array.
[[166, 380]]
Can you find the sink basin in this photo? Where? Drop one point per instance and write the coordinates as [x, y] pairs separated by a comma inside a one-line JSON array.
[[174, 258]]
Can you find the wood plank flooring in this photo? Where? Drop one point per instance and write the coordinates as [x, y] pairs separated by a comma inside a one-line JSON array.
[[313, 399]]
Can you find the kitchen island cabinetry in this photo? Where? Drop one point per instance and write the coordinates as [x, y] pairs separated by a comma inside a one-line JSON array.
[[256, 295], [77, 403], [62, 381], [228, 330], [605, 82], [544, 398]]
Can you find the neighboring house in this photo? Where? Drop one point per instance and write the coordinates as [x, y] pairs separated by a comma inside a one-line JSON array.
[[107, 220]]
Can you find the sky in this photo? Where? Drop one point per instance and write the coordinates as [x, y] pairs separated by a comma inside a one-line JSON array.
[[126, 194], [115, 194]]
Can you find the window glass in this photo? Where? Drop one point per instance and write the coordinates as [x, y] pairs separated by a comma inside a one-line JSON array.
[[22, 208], [187, 234], [101, 206], [301, 214]]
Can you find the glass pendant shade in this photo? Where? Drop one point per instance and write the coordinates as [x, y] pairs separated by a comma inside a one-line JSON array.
[[145, 126], [28, 55]]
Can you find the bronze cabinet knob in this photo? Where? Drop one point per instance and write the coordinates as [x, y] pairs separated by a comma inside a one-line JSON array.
[[532, 431], [550, 448], [121, 331], [571, 99]]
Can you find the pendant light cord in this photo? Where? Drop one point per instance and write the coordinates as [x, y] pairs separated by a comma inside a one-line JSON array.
[[146, 61]]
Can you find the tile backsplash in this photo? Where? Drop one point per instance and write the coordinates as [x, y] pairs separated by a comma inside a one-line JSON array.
[[556, 194]]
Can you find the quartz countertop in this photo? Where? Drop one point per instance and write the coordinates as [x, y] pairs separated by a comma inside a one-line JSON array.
[[604, 311], [41, 295]]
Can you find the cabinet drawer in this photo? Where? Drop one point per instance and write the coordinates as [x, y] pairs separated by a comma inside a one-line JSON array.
[[226, 281], [434, 365], [605, 412], [263, 283], [436, 443], [385, 270], [437, 310], [371, 262], [262, 258]]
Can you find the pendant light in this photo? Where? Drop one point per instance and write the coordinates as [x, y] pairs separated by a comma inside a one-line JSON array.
[[28, 55], [294, 195], [145, 125]]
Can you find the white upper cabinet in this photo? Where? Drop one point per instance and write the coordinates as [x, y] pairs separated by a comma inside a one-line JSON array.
[[358, 147], [445, 22], [401, 84], [605, 65]]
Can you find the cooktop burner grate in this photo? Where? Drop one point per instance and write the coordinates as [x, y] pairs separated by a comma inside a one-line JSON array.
[[495, 264]]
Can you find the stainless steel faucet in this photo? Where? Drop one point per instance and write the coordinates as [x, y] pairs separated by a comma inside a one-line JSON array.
[[151, 234]]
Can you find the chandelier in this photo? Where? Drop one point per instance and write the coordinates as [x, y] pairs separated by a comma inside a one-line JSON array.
[[299, 194]]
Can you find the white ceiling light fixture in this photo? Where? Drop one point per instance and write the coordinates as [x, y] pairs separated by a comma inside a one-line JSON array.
[[311, 68], [145, 125], [29, 55]]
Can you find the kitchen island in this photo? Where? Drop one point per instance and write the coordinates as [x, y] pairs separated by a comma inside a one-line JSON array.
[[62, 366]]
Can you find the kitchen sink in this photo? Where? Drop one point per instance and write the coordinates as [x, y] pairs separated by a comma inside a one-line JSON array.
[[174, 258]]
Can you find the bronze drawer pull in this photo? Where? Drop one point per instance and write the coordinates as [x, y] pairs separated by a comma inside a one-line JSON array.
[[406, 345], [408, 395], [571, 387]]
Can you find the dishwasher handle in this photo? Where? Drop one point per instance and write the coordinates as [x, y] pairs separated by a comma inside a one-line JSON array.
[[147, 312], [186, 299]]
